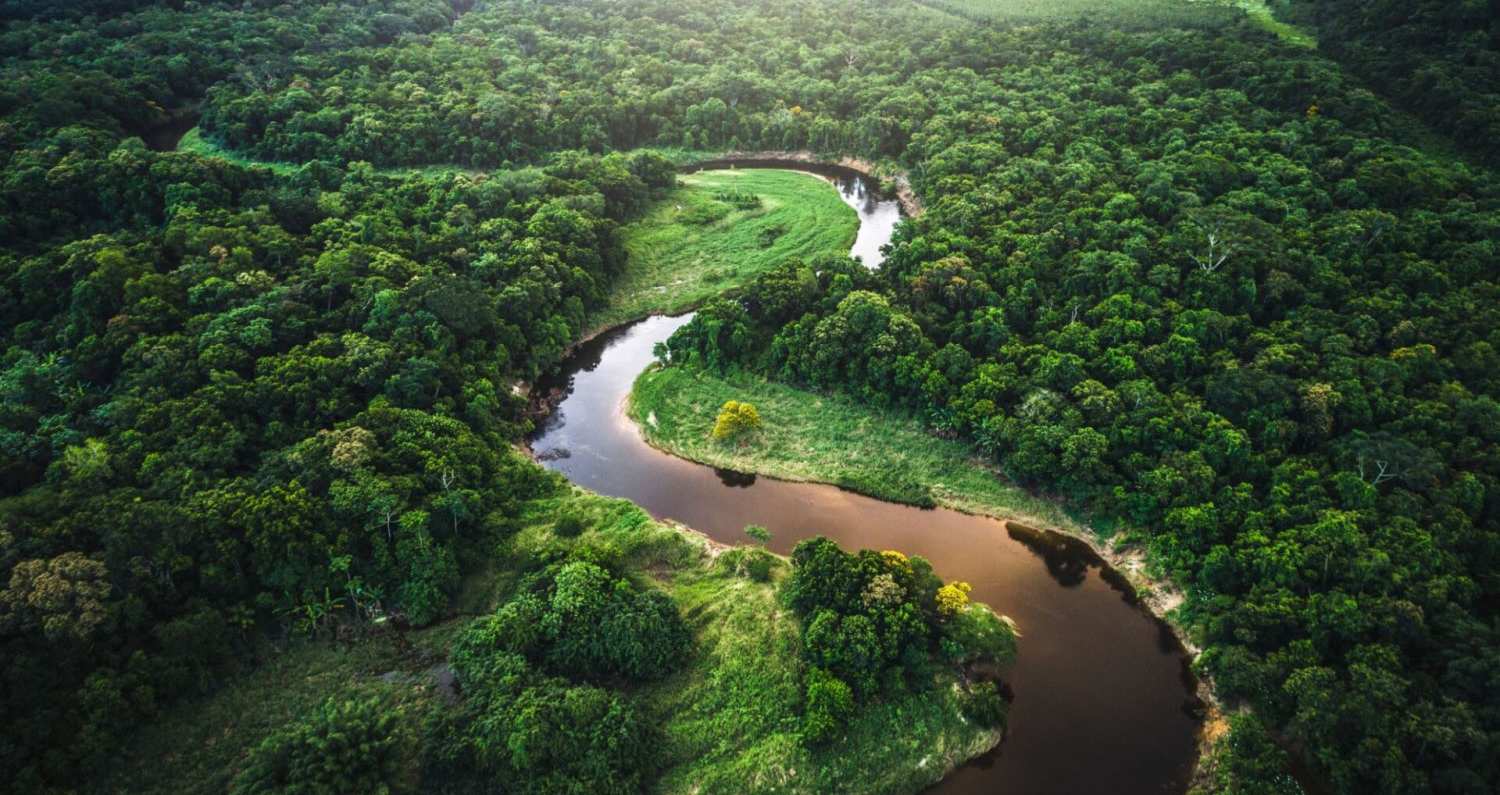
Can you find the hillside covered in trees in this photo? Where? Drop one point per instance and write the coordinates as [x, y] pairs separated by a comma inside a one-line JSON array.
[[1232, 296]]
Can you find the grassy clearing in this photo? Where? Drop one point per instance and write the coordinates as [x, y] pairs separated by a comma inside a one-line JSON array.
[[1133, 13], [828, 439], [730, 717], [194, 141], [691, 246], [1259, 12]]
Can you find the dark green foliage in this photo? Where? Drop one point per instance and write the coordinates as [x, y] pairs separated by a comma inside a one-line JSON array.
[[348, 746], [770, 235], [599, 626], [738, 200], [536, 733], [531, 733], [1437, 58], [1250, 763], [983, 704], [1263, 334], [871, 628], [758, 564], [581, 622], [229, 399], [569, 525]]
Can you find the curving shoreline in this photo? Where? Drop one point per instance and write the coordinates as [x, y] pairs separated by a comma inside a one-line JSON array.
[[1124, 568], [807, 160]]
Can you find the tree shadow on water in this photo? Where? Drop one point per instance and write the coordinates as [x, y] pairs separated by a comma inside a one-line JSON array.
[[735, 480]]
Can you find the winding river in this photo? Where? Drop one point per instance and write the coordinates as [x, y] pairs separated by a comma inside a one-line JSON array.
[[1103, 700]]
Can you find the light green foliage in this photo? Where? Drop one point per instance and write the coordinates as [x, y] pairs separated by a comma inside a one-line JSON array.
[[691, 245], [829, 705], [343, 746], [976, 633], [759, 533]]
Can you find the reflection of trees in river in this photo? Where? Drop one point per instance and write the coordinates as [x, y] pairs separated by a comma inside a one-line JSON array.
[[1068, 560], [735, 480]]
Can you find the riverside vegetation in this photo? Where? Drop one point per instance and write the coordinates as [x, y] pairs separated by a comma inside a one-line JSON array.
[[1192, 277], [827, 438]]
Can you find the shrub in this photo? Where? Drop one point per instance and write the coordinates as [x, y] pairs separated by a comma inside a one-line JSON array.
[[829, 704], [704, 214], [554, 738], [598, 625], [768, 236], [569, 525], [526, 733], [736, 419], [759, 533], [515, 629], [758, 565], [983, 705], [976, 633], [739, 199], [343, 746]]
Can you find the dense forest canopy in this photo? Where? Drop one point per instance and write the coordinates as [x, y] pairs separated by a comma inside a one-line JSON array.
[[1203, 285]]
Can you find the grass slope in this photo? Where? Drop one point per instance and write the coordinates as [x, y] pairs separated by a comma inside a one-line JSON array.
[[690, 246], [195, 142], [828, 439], [729, 718]]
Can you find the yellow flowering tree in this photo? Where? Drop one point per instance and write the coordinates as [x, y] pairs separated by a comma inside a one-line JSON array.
[[736, 419], [952, 598]]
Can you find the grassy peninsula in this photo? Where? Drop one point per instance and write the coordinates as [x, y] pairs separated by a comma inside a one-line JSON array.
[[828, 439]]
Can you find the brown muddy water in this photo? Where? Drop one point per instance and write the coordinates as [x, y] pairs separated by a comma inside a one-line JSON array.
[[1103, 699]]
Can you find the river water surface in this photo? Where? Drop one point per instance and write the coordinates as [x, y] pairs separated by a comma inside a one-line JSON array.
[[1102, 698]]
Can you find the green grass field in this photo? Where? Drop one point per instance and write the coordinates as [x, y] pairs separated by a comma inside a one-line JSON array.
[[194, 141], [690, 246], [730, 717], [1132, 13], [827, 439]]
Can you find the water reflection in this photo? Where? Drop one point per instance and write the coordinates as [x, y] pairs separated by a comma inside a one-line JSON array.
[[735, 480], [1068, 560], [877, 218]]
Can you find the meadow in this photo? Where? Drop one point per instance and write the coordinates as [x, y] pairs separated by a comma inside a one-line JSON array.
[[828, 439], [691, 245]]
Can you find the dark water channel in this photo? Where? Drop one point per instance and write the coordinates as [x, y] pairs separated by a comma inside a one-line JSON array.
[[1102, 699]]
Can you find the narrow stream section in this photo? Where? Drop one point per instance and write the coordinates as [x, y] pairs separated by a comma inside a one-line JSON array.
[[1103, 698]]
